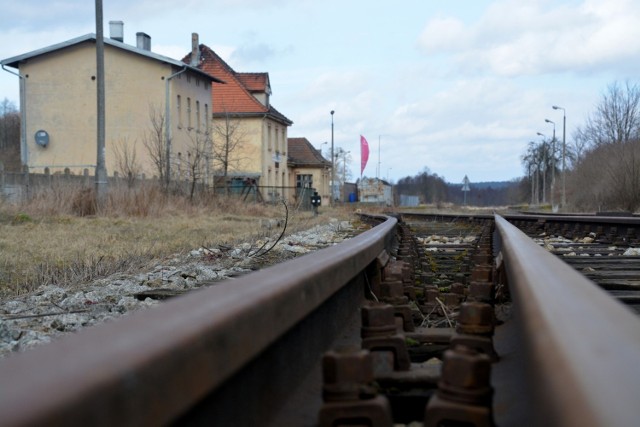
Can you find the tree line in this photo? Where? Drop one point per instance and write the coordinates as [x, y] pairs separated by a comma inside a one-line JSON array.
[[602, 161], [9, 136]]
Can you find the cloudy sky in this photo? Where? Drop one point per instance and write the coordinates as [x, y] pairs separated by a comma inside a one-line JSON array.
[[459, 86]]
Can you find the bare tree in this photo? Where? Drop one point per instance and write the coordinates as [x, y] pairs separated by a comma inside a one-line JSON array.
[[198, 155], [616, 118], [607, 166], [127, 163], [9, 135], [154, 141], [228, 139]]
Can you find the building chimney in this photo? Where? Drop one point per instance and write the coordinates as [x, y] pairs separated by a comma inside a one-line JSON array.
[[195, 50], [116, 30], [143, 41]]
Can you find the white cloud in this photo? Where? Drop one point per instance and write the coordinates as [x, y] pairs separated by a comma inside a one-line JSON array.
[[514, 38]]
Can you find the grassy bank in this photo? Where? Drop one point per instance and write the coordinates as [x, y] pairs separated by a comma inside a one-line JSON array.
[[52, 240]]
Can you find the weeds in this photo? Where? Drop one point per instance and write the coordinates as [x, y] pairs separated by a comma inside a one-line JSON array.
[[57, 237]]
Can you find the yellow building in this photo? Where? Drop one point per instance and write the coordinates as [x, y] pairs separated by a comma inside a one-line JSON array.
[[309, 171], [249, 135], [58, 98]]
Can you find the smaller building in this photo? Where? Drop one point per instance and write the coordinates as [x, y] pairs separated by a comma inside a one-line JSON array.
[[375, 190], [309, 171]]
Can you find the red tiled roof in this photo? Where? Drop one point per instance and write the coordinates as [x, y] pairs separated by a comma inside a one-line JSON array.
[[234, 96], [254, 82], [300, 152]]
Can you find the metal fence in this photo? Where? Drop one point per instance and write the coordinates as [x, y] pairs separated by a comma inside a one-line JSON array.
[[18, 187]]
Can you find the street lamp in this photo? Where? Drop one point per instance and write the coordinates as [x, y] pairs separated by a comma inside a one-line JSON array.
[[564, 149], [344, 173], [320, 149], [553, 159], [333, 169]]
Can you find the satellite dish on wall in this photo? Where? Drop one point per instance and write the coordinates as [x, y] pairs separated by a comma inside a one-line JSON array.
[[42, 138]]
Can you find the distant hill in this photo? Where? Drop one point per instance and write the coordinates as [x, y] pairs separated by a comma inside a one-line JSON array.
[[489, 193]]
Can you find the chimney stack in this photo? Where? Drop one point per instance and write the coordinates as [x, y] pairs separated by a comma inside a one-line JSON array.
[[195, 50], [116, 30], [143, 41]]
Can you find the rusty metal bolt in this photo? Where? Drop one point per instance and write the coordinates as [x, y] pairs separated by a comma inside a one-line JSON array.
[[451, 300], [392, 289], [458, 288], [431, 295], [475, 318], [479, 291], [377, 320], [481, 273], [466, 377], [347, 372]]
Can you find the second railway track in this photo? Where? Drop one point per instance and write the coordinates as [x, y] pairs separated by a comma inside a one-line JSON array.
[[396, 325]]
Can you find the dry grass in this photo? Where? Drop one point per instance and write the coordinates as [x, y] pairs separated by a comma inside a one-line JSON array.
[[56, 239]]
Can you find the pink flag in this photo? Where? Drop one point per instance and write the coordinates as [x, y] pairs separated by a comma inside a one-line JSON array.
[[364, 153]]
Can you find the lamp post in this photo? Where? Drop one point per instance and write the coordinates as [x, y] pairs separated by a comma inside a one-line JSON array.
[[564, 149], [544, 172], [344, 173], [553, 159], [320, 149], [333, 169]]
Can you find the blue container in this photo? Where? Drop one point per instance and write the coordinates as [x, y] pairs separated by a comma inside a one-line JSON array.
[[352, 197]]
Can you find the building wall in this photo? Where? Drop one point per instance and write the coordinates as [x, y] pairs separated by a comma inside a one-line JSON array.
[[319, 176], [262, 153], [246, 156], [275, 172], [190, 120], [61, 99], [371, 190]]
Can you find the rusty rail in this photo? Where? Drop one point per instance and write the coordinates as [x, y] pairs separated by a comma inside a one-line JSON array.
[[175, 362], [582, 346]]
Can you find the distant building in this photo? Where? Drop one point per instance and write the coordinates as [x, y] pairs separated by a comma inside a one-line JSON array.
[[409, 201], [374, 190], [308, 170], [60, 98]]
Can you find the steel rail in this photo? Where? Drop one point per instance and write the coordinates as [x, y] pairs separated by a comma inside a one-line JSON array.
[[582, 346], [152, 367]]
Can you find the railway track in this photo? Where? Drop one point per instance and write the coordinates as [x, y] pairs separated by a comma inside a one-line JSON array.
[[396, 325]]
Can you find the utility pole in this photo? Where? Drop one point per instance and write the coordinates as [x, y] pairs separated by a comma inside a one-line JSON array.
[[333, 163], [101, 169]]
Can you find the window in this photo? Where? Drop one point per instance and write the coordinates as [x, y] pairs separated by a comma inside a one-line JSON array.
[[179, 106], [189, 113], [206, 117], [304, 181], [198, 116], [269, 137]]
